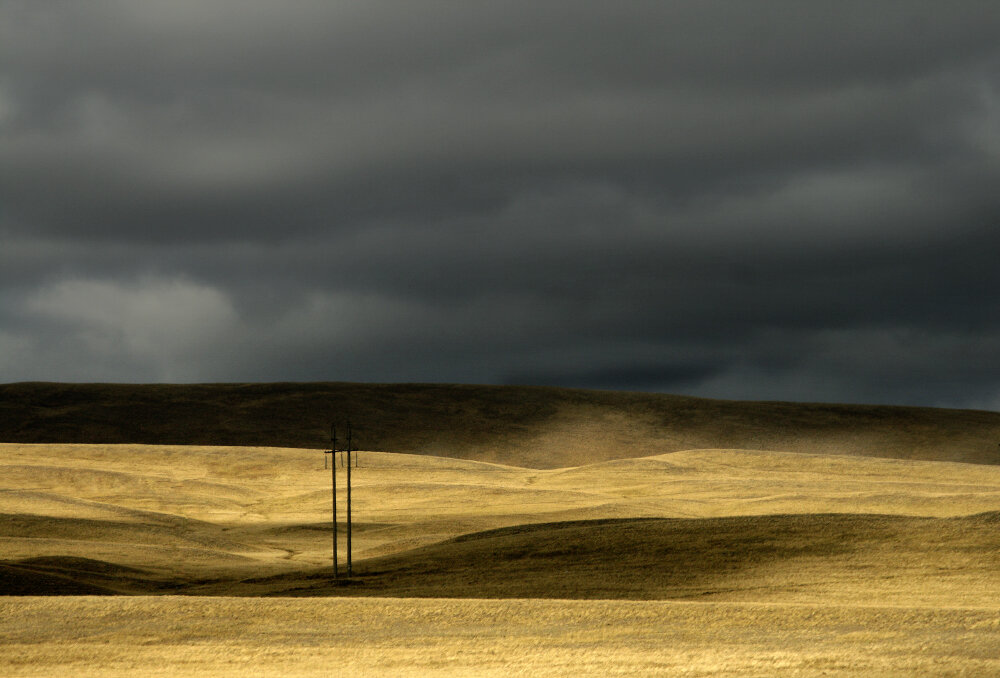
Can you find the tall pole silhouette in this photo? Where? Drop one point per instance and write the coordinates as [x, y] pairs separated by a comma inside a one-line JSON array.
[[333, 493], [349, 572]]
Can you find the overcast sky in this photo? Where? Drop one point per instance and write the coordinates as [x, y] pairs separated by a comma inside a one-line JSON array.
[[752, 200]]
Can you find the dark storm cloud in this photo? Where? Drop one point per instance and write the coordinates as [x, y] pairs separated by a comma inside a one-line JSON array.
[[772, 200]]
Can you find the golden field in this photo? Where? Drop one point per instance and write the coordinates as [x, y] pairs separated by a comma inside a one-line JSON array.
[[697, 562], [182, 636]]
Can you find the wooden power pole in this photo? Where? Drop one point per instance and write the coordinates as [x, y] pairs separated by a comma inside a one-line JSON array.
[[333, 492], [349, 571]]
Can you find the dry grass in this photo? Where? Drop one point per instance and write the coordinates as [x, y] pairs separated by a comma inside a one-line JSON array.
[[821, 559], [200, 512], [171, 636], [801, 565]]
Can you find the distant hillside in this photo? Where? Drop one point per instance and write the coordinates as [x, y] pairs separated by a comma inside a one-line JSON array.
[[529, 426]]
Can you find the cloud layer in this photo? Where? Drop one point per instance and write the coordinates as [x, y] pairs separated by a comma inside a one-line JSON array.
[[778, 200]]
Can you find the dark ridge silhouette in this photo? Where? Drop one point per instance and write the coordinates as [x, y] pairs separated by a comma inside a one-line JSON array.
[[506, 424]]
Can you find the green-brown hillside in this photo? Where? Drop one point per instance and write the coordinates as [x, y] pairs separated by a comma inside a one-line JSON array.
[[539, 427]]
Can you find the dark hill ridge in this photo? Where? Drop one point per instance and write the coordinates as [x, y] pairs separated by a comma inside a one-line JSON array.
[[531, 426]]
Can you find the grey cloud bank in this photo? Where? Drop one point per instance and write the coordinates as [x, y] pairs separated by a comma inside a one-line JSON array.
[[775, 200]]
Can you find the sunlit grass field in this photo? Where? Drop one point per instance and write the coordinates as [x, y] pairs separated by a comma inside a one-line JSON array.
[[182, 636], [208, 512], [696, 562]]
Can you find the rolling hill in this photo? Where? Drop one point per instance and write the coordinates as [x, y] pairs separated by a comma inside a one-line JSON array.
[[717, 524], [536, 427], [801, 559], [191, 559], [806, 558]]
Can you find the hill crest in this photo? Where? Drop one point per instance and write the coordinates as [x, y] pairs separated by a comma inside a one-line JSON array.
[[539, 427]]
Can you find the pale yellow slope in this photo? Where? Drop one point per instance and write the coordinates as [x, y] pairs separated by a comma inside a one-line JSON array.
[[705, 483]]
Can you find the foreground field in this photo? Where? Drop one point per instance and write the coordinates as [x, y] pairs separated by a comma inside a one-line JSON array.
[[171, 636]]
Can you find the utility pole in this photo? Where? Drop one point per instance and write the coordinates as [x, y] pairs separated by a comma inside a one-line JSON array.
[[349, 499], [333, 492]]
